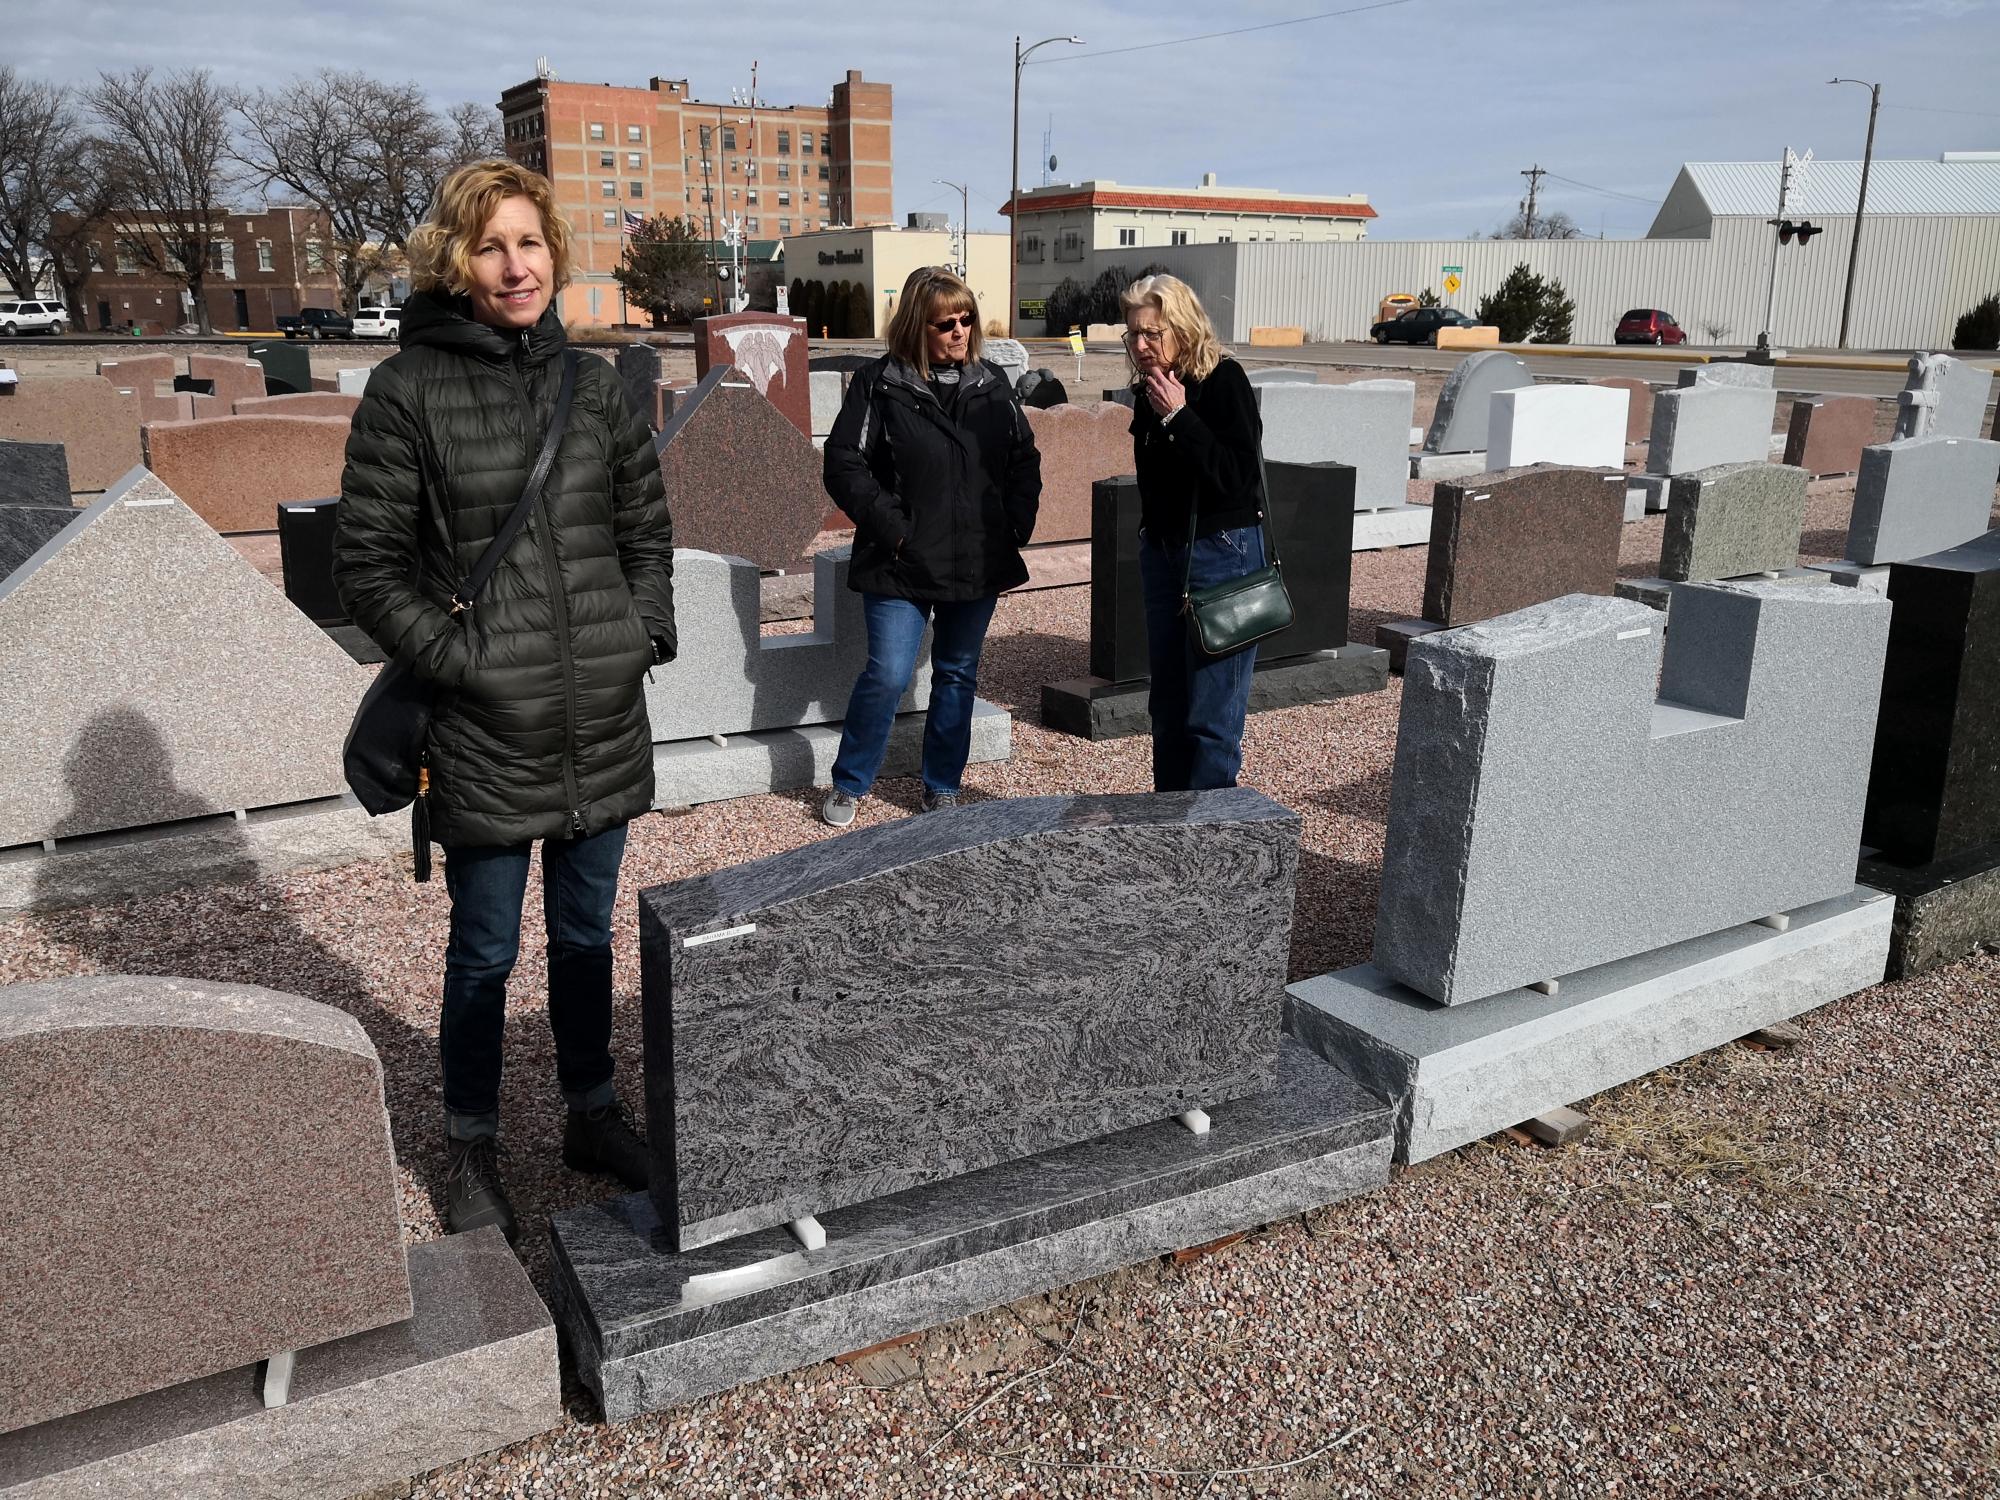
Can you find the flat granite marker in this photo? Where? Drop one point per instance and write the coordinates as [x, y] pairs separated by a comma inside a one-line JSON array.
[[198, 1176], [1459, 423], [745, 481], [1364, 424], [911, 1002], [1550, 811], [765, 349], [1733, 520], [1943, 397], [1827, 433], [34, 474], [1920, 495], [109, 717], [1579, 425], [1933, 818]]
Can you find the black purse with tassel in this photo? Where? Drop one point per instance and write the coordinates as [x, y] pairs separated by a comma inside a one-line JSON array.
[[387, 744]]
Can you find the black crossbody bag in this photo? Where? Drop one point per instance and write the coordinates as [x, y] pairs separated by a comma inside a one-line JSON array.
[[383, 758], [1225, 617]]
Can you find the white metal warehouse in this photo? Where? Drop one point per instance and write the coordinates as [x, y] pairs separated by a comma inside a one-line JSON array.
[[1930, 249]]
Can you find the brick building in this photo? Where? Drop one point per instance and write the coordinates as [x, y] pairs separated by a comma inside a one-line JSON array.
[[263, 263], [611, 149]]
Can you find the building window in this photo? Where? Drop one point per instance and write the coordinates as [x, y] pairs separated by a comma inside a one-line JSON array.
[[1128, 237], [96, 255], [784, 200], [315, 258], [750, 167], [610, 218], [707, 167], [822, 171], [784, 171], [635, 189], [784, 143], [633, 161], [729, 138], [1070, 246], [750, 225], [597, 130], [1031, 249], [222, 257], [822, 200], [784, 226], [606, 160], [608, 189], [708, 195], [128, 258], [1223, 238], [805, 143], [1177, 237], [705, 140], [634, 134], [264, 256]]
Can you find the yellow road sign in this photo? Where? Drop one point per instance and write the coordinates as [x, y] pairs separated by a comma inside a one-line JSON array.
[[1076, 340], [1451, 286]]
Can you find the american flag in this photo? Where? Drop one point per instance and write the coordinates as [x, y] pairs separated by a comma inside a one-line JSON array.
[[634, 222]]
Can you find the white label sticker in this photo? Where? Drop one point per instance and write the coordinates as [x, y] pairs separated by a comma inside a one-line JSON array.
[[715, 937], [1626, 635]]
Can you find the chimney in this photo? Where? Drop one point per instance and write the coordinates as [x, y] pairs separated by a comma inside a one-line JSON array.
[[1208, 179]]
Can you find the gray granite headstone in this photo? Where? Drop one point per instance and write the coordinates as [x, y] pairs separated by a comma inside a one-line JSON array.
[[914, 1001], [1551, 811], [829, 388], [730, 679], [640, 372], [353, 382], [1943, 397], [1459, 423], [1739, 373], [1279, 375], [34, 474], [1732, 520], [1704, 424], [1365, 425], [1920, 495], [1011, 355]]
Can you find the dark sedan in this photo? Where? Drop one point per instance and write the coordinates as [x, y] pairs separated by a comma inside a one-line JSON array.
[[1420, 325]]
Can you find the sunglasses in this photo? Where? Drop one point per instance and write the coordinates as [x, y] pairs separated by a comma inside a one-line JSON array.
[[945, 325]]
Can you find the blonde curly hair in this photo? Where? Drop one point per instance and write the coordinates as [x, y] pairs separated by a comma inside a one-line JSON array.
[[441, 248], [1180, 310]]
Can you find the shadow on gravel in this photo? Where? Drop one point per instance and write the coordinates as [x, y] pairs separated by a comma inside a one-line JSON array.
[[1333, 916], [1366, 797], [1013, 668]]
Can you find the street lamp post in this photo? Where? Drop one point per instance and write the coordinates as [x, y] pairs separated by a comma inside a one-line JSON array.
[[964, 229], [1014, 184], [1860, 203]]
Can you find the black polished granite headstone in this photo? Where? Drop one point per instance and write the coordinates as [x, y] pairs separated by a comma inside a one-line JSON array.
[[1933, 814], [640, 371], [907, 1003], [34, 474], [1117, 599], [194, 385], [305, 552], [26, 529], [649, 1328], [287, 366]]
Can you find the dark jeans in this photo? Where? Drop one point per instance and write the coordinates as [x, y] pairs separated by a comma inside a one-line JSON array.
[[895, 630], [1197, 703], [487, 886]]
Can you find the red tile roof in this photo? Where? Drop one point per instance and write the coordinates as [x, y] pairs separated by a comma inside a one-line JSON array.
[[1192, 201]]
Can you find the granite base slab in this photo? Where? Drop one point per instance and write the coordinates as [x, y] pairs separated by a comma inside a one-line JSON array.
[[1396, 635], [1396, 526], [649, 1329], [1462, 1072], [1094, 709], [1446, 465], [1655, 592], [688, 772], [474, 1369], [1944, 910], [1873, 577]]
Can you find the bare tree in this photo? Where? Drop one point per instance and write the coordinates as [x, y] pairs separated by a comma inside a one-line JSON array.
[[53, 183], [167, 142], [313, 136], [1550, 226], [476, 134]]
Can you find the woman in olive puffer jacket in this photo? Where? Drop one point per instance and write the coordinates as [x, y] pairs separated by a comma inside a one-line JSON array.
[[540, 730]]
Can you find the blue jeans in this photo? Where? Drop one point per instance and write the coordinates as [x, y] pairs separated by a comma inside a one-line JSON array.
[[1197, 703], [895, 630], [487, 886]]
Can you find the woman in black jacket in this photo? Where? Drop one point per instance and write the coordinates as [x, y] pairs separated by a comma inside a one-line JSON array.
[[1196, 438], [540, 730], [935, 464]]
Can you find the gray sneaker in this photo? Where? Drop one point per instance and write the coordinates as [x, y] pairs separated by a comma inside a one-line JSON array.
[[836, 809], [934, 800]]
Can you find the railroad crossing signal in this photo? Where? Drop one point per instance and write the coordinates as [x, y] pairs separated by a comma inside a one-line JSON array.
[[1802, 231]]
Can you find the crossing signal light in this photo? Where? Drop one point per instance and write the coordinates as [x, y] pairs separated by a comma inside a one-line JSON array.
[[1803, 230]]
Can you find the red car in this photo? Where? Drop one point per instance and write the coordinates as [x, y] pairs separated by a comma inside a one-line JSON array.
[[1648, 325]]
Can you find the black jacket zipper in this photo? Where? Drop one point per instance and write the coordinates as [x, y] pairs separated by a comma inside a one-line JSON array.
[[558, 598]]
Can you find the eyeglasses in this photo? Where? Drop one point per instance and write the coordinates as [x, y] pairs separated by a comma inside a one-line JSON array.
[[945, 325], [1134, 336]]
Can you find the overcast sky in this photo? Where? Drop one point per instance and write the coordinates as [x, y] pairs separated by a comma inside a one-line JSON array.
[[1431, 107]]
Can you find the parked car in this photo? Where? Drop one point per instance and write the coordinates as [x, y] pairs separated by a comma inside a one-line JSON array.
[[378, 322], [1420, 325], [316, 323], [1648, 325], [17, 318]]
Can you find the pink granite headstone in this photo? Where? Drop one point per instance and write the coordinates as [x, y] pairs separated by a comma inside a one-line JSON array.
[[196, 1176], [234, 472], [1827, 433], [234, 378], [1639, 411], [96, 421], [299, 404], [741, 480], [767, 350], [1080, 444]]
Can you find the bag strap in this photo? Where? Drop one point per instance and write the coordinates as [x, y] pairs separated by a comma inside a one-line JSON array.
[[1263, 518], [489, 560]]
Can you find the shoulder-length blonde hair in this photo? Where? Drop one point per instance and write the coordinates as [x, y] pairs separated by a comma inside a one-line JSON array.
[[441, 248], [1200, 348], [930, 292]]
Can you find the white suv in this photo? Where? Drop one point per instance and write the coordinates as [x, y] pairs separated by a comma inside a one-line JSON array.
[[377, 322], [31, 317]]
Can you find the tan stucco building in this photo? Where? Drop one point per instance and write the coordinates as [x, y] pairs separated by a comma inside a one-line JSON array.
[[881, 258]]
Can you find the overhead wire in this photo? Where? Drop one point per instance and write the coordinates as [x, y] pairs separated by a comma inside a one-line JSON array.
[[1209, 36]]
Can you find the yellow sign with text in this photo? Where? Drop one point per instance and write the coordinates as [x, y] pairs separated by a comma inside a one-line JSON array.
[[1451, 285], [1076, 341]]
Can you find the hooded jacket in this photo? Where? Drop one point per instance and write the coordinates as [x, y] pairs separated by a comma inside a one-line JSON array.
[[942, 502], [540, 728]]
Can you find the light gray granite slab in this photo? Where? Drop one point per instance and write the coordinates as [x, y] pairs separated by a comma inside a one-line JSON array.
[[1395, 526], [1920, 495], [1537, 750], [1279, 375], [201, 690], [729, 678], [1437, 466], [1458, 425], [688, 772], [911, 1001], [1459, 1073], [1365, 424], [1578, 425], [1732, 520], [652, 1329], [1011, 355], [1704, 424], [354, 382], [473, 1369], [1739, 373], [1943, 397], [829, 389]]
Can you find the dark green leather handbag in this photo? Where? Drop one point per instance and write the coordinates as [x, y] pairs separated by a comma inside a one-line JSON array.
[[1225, 617]]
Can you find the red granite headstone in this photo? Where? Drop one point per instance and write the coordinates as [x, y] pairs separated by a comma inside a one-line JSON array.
[[96, 421], [234, 472], [741, 480], [1079, 444], [234, 378], [1639, 411], [1506, 540], [1827, 434], [768, 351]]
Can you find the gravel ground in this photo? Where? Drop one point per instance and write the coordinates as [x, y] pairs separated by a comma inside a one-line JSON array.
[[1765, 1273]]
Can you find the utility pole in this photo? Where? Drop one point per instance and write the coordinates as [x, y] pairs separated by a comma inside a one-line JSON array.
[[1860, 203], [1014, 185], [1534, 176], [1790, 164], [961, 247]]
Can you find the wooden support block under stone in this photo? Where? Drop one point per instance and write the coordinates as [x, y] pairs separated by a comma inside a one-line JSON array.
[[1202, 1252], [1557, 1127], [855, 1356], [1779, 1036]]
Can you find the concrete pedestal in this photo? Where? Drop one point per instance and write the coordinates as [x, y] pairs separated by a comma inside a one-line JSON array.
[[1446, 465], [1094, 709], [1398, 526]]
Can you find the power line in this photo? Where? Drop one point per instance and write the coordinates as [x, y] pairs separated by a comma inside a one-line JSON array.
[[1931, 109], [1325, 15], [1608, 192]]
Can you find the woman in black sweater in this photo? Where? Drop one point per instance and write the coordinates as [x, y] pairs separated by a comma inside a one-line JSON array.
[[1196, 437]]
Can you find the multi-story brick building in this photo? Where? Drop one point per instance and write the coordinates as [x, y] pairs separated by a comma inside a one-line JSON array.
[[261, 263], [611, 150]]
